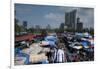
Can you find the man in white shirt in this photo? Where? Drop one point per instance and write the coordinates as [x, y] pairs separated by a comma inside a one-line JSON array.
[[60, 55]]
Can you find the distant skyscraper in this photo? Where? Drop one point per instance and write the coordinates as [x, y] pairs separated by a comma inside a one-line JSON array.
[[79, 25], [78, 20], [25, 24], [73, 19], [67, 19], [70, 19]]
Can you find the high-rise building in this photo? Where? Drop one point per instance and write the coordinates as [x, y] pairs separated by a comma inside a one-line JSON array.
[[73, 19], [78, 20], [67, 19], [25, 24], [70, 19], [79, 25]]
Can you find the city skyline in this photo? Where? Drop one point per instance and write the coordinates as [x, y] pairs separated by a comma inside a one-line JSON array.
[[54, 15]]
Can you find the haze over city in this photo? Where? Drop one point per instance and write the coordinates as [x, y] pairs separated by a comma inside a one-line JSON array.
[[53, 15]]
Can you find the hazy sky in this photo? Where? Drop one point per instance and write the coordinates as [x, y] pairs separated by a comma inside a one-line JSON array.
[[53, 15]]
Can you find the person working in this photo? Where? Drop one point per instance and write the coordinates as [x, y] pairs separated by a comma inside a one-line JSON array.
[[60, 54]]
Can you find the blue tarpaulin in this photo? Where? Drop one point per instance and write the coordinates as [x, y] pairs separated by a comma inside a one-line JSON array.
[[24, 55], [84, 43], [20, 54], [17, 50], [51, 40]]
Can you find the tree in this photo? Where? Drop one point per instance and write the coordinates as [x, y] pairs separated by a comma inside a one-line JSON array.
[[43, 32], [85, 30], [91, 31], [48, 28], [37, 29], [17, 27], [31, 30]]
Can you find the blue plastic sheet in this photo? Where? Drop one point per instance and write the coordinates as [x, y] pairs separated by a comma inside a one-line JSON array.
[[26, 56], [84, 43], [51, 40], [20, 54], [17, 50]]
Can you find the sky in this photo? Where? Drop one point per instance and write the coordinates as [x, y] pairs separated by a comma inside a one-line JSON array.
[[54, 15]]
